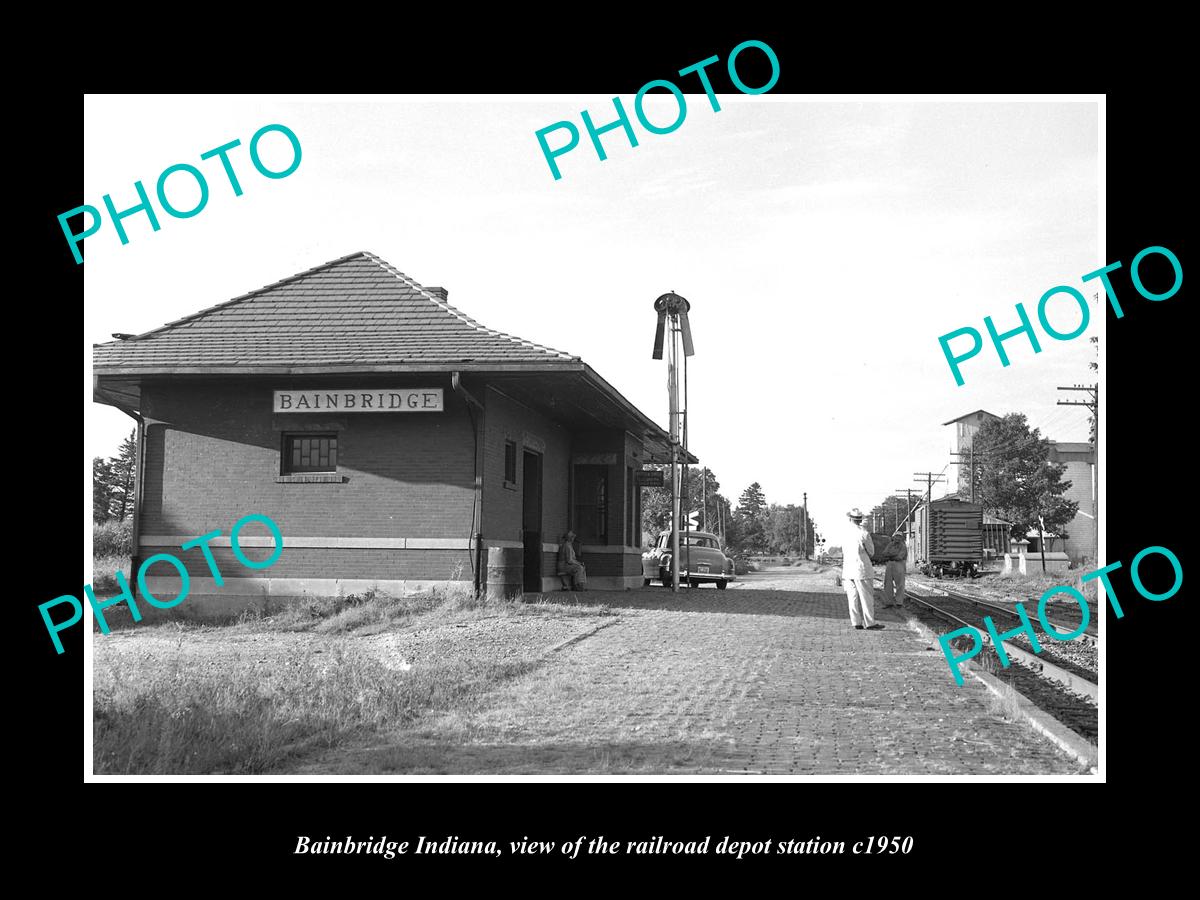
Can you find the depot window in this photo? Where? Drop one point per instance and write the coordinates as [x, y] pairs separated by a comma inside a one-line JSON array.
[[308, 453], [591, 504]]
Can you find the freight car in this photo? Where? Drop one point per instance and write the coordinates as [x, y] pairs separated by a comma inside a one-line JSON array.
[[948, 538]]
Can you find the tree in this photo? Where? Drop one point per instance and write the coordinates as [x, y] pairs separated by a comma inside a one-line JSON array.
[[750, 515], [102, 491], [753, 501], [1017, 481], [700, 493], [889, 516], [656, 505], [113, 483], [124, 469], [783, 525]]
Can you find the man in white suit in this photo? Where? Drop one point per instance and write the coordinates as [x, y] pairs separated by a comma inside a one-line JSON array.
[[858, 576]]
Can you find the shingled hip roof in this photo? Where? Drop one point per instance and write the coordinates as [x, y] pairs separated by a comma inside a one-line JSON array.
[[356, 313]]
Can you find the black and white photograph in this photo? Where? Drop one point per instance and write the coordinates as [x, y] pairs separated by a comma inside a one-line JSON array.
[[518, 436]]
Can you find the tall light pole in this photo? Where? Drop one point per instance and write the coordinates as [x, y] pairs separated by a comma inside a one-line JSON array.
[[672, 307]]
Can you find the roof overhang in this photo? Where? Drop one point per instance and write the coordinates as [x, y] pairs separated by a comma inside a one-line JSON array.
[[575, 394], [968, 415]]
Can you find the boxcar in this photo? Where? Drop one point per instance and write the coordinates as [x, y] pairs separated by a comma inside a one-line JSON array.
[[948, 538]]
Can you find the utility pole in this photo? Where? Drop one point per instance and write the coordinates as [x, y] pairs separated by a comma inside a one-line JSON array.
[[930, 480], [804, 534], [970, 454], [908, 517], [908, 523], [1094, 406]]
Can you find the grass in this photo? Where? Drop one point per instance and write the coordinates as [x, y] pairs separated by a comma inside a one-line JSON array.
[[236, 717], [104, 569], [1006, 706], [375, 611], [244, 722], [1036, 583], [1029, 589]]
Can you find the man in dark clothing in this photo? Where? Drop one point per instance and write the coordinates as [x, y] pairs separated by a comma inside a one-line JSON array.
[[895, 555], [569, 565]]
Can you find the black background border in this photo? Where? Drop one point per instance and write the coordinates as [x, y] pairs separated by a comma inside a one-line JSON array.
[[1146, 392]]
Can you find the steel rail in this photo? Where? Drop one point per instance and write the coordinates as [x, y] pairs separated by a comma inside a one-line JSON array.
[[1087, 637], [1090, 636], [1073, 682]]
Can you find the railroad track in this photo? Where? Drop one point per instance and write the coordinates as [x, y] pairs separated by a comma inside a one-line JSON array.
[[1072, 680], [1048, 686], [1090, 635]]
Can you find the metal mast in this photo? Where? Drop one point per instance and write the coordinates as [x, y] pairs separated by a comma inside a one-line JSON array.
[[675, 308]]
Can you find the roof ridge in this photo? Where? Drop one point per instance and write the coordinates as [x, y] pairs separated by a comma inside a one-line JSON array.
[[238, 299], [461, 316]]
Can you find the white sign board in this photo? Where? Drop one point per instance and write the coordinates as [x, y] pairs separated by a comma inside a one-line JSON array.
[[360, 400]]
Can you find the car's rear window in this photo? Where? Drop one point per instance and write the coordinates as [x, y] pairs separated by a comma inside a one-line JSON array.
[[692, 540]]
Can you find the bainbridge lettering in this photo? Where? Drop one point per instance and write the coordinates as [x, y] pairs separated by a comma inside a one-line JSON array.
[[369, 400]]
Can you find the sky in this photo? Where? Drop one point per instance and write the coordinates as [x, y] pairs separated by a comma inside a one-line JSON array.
[[824, 245]]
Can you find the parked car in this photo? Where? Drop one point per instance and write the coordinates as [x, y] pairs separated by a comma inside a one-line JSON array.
[[703, 561]]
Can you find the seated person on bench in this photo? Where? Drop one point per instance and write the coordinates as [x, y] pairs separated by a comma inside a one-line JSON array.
[[568, 566]]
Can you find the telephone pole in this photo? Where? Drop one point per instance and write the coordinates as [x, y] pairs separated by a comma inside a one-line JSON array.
[[804, 545], [1094, 405], [930, 480], [970, 454], [908, 523]]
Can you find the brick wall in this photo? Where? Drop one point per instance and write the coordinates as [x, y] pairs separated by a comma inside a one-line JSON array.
[[505, 419], [213, 454]]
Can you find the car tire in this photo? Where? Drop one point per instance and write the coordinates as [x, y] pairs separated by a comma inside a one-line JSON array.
[[721, 585], [645, 582]]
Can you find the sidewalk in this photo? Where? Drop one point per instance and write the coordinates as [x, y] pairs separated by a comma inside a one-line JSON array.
[[748, 680]]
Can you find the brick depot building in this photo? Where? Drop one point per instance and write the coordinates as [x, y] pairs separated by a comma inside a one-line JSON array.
[[394, 440]]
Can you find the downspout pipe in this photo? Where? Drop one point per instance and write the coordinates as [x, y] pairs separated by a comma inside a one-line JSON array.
[[474, 405]]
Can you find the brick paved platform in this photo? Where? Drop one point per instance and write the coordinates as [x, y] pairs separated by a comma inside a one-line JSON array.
[[744, 680]]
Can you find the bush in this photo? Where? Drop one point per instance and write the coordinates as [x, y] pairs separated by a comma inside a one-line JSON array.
[[112, 538], [743, 566], [104, 569]]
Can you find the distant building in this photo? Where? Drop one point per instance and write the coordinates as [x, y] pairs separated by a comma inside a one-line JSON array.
[[1080, 460], [961, 439]]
